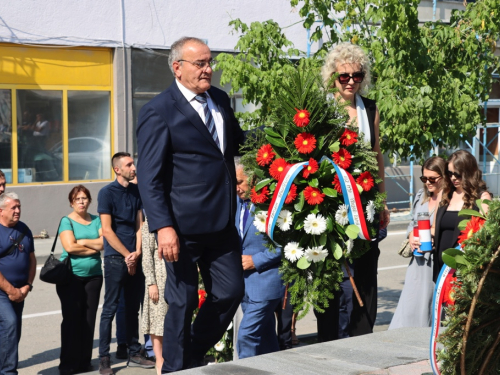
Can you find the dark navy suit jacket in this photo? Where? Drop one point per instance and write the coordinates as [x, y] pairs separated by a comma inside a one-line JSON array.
[[264, 282], [184, 179]]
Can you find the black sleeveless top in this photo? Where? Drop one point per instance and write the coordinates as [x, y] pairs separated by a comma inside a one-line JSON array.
[[371, 109]]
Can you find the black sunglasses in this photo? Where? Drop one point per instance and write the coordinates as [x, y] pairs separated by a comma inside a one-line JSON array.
[[457, 176], [432, 180], [357, 77]]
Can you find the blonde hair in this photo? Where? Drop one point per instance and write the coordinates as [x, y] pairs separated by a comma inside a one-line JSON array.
[[346, 53]]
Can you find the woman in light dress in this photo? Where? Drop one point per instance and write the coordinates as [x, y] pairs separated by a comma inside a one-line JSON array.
[[154, 308], [415, 303]]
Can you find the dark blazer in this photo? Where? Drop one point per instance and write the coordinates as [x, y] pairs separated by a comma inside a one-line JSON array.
[[184, 179], [264, 282]]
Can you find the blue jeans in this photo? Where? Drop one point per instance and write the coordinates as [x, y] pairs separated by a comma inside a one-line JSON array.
[[10, 333], [116, 278]]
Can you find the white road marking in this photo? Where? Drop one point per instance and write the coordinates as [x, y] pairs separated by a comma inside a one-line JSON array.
[[396, 233], [391, 268], [56, 312]]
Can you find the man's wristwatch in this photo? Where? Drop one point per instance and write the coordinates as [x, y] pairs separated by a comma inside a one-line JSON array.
[[31, 287]]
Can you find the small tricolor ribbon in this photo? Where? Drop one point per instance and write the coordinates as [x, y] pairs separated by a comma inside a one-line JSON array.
[[349, 191], [437, 306]]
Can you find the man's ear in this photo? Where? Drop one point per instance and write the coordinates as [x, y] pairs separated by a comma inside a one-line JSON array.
[[177, 69]]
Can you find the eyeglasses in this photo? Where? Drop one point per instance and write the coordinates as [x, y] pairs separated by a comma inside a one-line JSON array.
[[431, 180], [457, 176], [81, 199], [357, 77], [201, 64]]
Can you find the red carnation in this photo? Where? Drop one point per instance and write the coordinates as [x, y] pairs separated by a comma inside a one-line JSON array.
[[292, 194], [349, 137], [277, 167], [311, 168], [265, 155], [474, 224], [202, 296], [259, 197], [305, 143], [313, 195], [336, 184], [365, 180], [301, 118], [342, 158]]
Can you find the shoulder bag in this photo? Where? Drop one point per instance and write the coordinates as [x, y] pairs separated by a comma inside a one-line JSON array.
[[14, 245], [54, 271]]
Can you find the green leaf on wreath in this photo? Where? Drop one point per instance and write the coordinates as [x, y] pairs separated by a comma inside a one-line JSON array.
[[360, 188], [314, 182], [272, 133], [334, 147], [263, 183], [319, 268], [298, 206], [469, 212], [329, 192], [329, 224], [303, 263], [276, 141], [337, 252], [453, 257], [352, 231], [259, 173], [322, 239], [462, 224]]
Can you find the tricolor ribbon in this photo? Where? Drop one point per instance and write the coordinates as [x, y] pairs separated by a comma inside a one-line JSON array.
[[349, 191], [437, 306], [280, 193]]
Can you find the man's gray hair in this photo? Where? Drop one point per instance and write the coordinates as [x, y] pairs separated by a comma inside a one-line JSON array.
[[176, 49], [8, 195], [237, 162]]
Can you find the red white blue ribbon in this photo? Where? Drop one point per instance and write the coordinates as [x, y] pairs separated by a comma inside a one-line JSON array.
[[349, 191], [280, 193], [352, 200]]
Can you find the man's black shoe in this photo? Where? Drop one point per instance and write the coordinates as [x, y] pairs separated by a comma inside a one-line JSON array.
[[105, 366], [140, 361], [121, 351]]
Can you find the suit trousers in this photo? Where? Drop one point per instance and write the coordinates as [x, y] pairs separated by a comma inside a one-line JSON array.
[[218, 257], [257, 333], [79, 303]]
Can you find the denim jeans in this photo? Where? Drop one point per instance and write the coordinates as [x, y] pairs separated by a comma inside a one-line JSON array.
[[116, 278], [10, 333]]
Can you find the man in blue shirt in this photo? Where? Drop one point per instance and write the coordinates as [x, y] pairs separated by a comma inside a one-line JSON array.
[[119, 207], [17, 271]]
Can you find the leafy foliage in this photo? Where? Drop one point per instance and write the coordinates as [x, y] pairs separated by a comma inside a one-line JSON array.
[[474, 319], [430, 79]]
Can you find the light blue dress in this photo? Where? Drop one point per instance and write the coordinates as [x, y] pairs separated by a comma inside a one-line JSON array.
[[415, 303]]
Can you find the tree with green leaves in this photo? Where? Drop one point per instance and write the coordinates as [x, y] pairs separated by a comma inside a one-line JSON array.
[[430, 80]]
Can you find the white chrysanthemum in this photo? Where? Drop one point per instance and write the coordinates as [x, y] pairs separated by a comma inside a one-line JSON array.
[[260, 221], [342, 216], [230, 326], [349, 244], [285, 220], [293, 252], [370, 211], [316, 254], [356, 171], [220, 346], [314, 224]]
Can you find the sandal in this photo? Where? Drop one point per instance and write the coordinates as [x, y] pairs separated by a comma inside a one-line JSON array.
[[295, 340]]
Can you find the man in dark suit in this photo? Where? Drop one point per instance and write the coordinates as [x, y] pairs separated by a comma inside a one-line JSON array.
[[263, 285], [187, 137]]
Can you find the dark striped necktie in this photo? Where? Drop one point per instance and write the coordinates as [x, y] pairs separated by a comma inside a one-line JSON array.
[[209, 119]]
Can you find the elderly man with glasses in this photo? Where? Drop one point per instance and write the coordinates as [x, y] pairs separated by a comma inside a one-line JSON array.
[[187, 137]]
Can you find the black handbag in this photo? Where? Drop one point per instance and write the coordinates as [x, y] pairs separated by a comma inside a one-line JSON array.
[[54, 271]]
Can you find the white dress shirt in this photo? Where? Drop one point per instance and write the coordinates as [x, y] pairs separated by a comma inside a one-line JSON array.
[[198, 107]]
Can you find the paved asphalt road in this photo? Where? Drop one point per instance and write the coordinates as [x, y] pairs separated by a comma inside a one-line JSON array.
[[40, 342]]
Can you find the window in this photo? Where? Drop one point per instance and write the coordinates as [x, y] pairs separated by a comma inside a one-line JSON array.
[[55, 114]]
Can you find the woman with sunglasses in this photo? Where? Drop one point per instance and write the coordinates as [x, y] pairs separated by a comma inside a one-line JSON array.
[[347, 69], [414, 306], [465, 187]]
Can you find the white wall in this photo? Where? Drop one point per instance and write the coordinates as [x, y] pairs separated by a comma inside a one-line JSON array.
[[146, 23]]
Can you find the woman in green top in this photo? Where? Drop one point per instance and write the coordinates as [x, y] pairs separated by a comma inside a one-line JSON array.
[[81, 238]]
